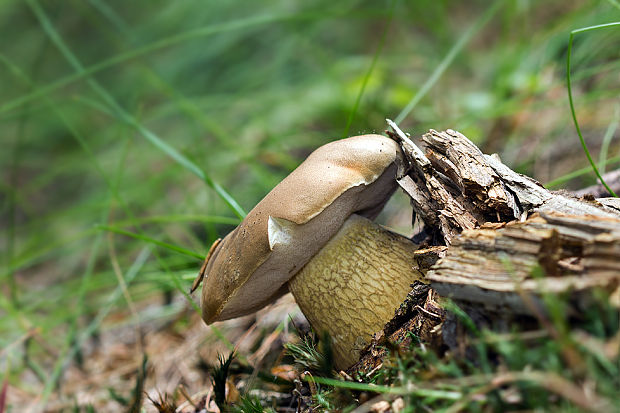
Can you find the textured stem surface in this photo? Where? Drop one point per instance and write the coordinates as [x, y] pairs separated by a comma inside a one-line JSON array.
[[352, 287]]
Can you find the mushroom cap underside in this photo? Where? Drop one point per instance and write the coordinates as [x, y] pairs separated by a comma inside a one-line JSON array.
[[248, 270]]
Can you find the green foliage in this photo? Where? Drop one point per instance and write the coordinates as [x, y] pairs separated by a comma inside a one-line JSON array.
[[312, 356], [570, 96], [219, 376], [516, 371], [250, 404]]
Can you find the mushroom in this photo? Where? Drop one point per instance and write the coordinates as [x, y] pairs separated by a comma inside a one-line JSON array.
[[312, 235]]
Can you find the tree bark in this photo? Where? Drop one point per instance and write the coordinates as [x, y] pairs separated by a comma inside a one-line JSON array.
[[497, 243]]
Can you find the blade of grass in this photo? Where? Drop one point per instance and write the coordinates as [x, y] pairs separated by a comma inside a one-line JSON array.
[[215, 219], [413, 391], [579, 172], [111, 15], [448, 59], [609, 134], [570, 97], [152, 241], [181, 159], [375, 57]]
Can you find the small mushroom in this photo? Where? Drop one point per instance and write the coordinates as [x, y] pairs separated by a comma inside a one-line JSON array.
[[312, 235]]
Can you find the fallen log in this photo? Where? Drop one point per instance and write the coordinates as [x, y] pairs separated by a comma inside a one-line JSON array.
[[550, 253], [496, 243]]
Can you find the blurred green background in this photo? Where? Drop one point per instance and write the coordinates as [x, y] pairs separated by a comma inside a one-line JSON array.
[[141, 116]]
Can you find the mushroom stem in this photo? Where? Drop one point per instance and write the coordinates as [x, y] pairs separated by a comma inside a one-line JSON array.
[[351, 288]]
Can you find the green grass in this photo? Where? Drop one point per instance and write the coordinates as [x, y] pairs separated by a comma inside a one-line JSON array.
[[515, 371], [613, 25], [134, 134]]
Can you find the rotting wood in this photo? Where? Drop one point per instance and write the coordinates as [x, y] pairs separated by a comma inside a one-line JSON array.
[[418, 317], [509, 268], [507, 242], [454, 186]]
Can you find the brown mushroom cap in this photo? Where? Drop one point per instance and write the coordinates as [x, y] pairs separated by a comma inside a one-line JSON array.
[[250, 268]]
